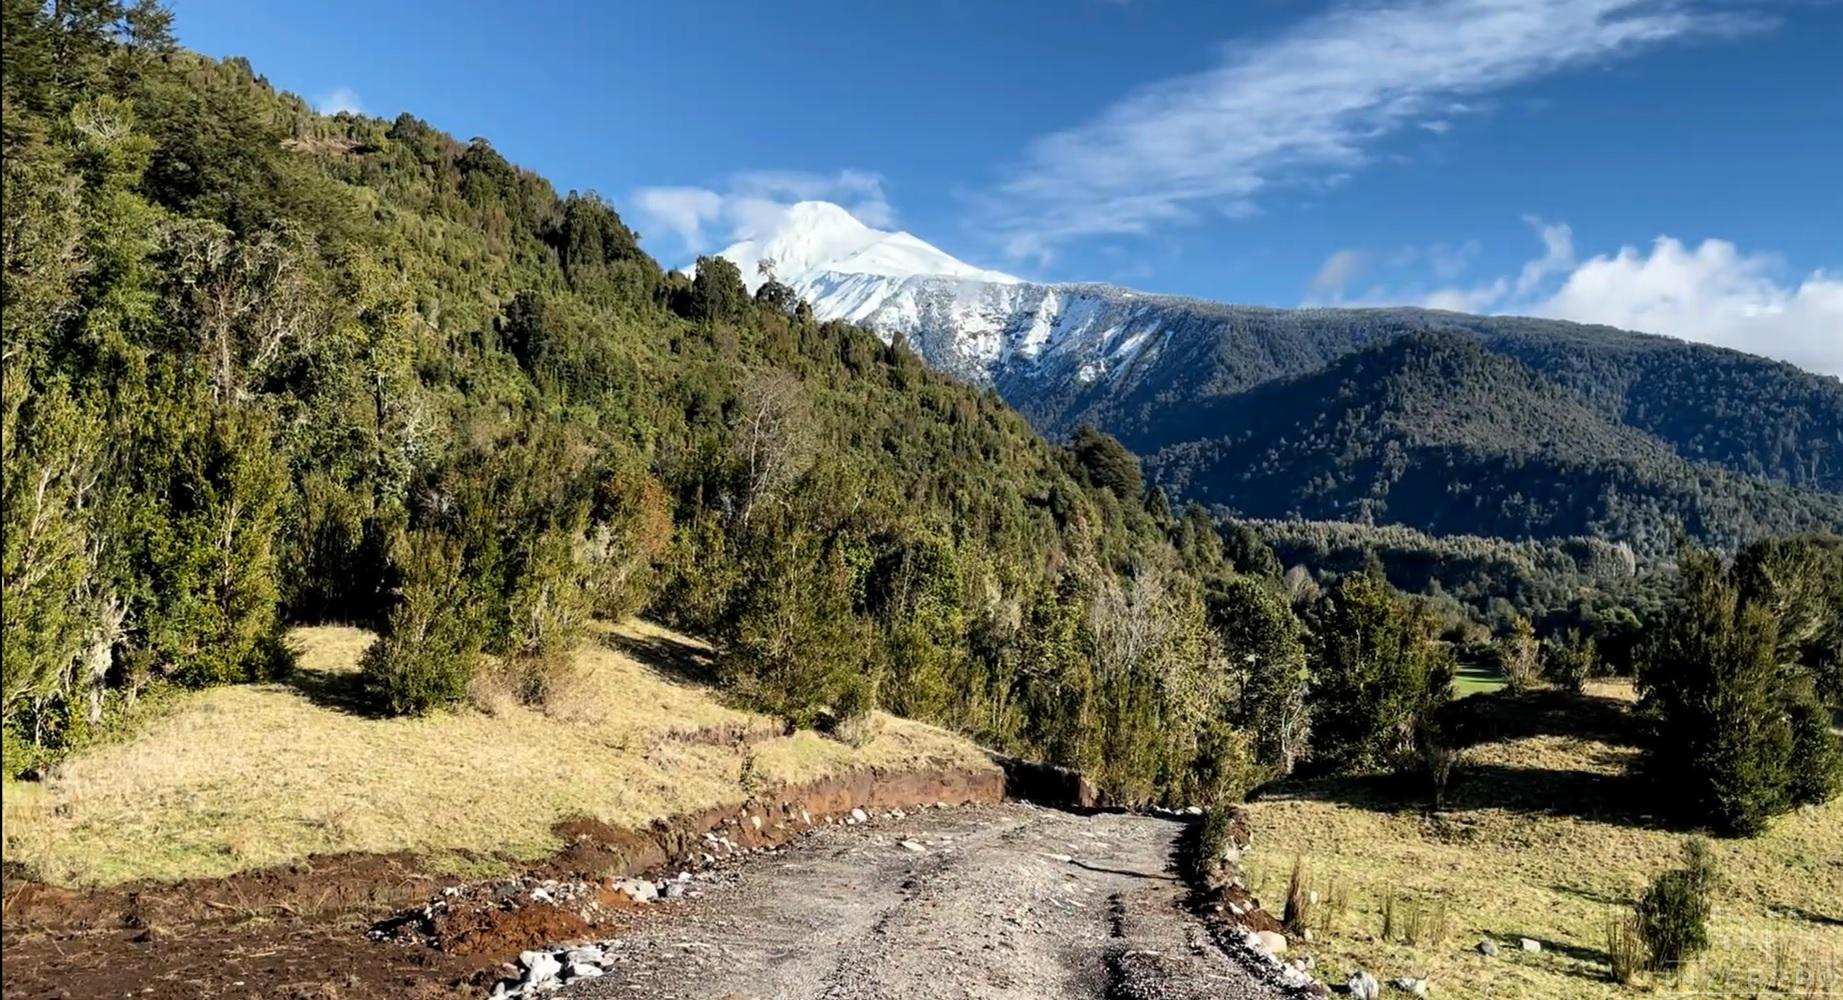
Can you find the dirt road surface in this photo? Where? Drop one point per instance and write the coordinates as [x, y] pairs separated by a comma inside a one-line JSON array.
[[1009, 902]]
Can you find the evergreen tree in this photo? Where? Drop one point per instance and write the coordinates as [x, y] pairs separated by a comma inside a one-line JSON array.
[[1376, 675], [1723, 745]]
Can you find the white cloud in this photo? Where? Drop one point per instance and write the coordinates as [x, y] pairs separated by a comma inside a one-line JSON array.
[[1713, 293], [339, 99], [682, 211], [1309, 102], [753, 202], [1337, 272]]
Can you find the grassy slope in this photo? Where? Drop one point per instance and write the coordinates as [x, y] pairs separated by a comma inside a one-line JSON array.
[[1508, 867], [242, 777]]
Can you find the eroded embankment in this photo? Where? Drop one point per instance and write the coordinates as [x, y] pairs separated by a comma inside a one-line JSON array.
[[300, 929]]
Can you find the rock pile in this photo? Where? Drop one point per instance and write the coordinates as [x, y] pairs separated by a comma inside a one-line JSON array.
[[545, 970]]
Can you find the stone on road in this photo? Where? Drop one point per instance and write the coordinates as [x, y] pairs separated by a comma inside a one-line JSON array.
[[1010, 902]]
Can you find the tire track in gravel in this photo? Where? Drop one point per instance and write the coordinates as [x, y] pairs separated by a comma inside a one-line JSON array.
[[1007, 902]]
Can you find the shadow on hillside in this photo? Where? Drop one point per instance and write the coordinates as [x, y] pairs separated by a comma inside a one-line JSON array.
[[676, 659], [1820, 919], [1620, 799], [340, 690], [1504, 715], [1595, 780]]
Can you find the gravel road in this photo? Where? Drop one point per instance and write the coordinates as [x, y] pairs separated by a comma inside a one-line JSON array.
[[1007, 902]]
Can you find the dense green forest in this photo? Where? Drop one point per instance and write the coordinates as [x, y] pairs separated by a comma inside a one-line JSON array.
[[1724, 409], [1433, 431], [1556, 583], [266, 367]]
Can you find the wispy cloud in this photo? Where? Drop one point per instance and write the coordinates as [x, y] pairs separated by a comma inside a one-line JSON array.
[[339, 99], [1336, 274], [752, 202], [1309, 103]]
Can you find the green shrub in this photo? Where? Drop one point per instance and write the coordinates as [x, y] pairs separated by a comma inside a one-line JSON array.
[[1673, 914], [1518, 655], [1817, 760], [1570, 660], [1712, 680], [429, 651]]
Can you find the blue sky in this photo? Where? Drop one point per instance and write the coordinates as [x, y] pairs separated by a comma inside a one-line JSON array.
[[1659, 164]]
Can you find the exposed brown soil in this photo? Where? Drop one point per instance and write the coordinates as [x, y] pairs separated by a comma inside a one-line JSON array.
[[304, 930]]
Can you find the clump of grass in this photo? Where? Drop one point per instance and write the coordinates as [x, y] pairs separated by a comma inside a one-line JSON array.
[[1415, 922], [1625, 947], [1300, 899], [1335, 904]]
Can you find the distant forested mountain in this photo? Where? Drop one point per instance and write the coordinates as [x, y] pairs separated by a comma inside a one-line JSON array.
[[1434, 431]]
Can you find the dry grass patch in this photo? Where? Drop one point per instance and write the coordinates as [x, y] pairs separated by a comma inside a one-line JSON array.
[[243, 777], [1527, 849]]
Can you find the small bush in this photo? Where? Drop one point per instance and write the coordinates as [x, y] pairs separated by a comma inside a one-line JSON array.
[[1440, 762], [1673, 915], [426, 657], [1569, 661], [1519, 657], [1215, 840]]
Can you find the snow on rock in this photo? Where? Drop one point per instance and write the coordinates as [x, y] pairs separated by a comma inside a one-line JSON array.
[[984, 326]]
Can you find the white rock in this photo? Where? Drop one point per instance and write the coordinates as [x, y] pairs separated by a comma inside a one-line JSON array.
[[675, 890], [584, 970], [590, 954], [756, 822], [1410, 985], [637, 889], [859, 816], [913, 846], [1487, 948], [1363, 986], [540, 967], [1273, 942], [1531, 944]]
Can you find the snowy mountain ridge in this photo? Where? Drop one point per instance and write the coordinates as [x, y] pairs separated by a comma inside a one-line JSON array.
[[982, 325]]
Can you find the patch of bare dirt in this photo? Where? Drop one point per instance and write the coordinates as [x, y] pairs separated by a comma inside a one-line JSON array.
[[309, 930]]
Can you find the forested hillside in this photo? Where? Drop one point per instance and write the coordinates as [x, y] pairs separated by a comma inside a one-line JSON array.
[[1736, 411], [1435, 432], [265, 367]]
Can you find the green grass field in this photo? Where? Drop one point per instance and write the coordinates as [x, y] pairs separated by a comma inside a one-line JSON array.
[[246, 776], [1477, 678], [1544, 837]]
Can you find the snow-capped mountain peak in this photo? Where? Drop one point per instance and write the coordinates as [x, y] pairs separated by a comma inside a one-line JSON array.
[[818, 237], [982, 325]]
